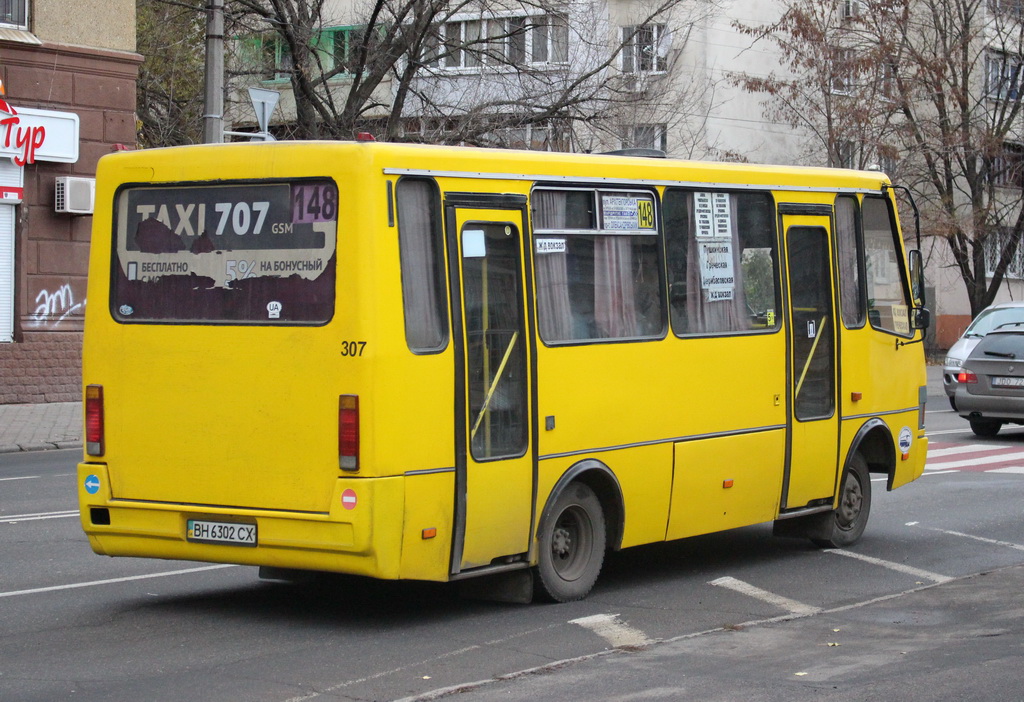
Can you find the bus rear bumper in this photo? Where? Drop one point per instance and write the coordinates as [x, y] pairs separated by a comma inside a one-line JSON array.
[[360, 535]]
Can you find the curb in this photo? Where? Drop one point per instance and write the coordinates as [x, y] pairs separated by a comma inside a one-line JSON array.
[[40, 446]]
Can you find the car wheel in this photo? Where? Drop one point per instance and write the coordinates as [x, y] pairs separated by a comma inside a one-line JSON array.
[[571, 545], [848, 520], [985, 427], [952, 402]]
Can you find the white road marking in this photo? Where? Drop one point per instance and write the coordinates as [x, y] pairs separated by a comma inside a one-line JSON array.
[[965, 448], [23, 477], [14, 518], [111, 581], [769, 597], [948, 431], [615, 632], [996, 542], [940, 472], [1018, 470], [981, 460], [899, 567]]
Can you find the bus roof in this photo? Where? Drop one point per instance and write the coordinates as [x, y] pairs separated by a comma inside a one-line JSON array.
[[471, 162]]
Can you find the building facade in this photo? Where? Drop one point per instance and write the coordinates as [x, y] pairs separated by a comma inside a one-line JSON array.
[[69, 71]]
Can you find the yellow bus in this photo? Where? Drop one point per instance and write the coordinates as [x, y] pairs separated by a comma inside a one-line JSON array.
[[435, 363]]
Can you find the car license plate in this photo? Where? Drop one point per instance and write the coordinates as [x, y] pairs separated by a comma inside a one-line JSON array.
[[1004, 382], [235, 533]]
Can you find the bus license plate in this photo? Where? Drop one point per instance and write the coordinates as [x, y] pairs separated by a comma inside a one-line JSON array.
[[221, 532], [1004, 382]]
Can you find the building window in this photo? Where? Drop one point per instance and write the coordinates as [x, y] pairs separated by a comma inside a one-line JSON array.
[[1002, 76], [846, 154], [1007, 8], [470, 44], [14, 13], [645, 48], [849, 9], [345, 48], [646, 136], [1007, 168], [843, 71], [994, 244]]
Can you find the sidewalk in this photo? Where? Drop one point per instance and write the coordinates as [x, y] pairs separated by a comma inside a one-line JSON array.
[[37, 427]]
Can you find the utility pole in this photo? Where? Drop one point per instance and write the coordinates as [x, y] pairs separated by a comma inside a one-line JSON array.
[[213, 117]]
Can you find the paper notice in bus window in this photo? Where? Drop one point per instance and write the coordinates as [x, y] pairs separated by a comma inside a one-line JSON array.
[[548, 245], [626, 212], [713, 215], [223, 252], [900, 319], [717, 276]]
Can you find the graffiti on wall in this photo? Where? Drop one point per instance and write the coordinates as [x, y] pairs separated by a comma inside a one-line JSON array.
[[52, 308]]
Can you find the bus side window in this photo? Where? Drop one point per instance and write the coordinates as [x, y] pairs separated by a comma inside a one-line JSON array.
[[721, 261], [421, 251], [850, 250], [597, 263], [888, 308]]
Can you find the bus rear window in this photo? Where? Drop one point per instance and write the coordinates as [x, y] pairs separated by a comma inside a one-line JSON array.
[[244, 253]]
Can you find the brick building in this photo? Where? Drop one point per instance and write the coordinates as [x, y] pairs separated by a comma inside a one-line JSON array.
[[69, 70]]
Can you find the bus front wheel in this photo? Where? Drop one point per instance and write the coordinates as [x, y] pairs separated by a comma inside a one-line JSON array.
[[571, 545], [846, 522]]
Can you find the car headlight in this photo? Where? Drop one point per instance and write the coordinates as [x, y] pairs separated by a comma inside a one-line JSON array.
[[954, 362]]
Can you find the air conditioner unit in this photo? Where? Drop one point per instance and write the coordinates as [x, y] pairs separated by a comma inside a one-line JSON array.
[[75, 195]]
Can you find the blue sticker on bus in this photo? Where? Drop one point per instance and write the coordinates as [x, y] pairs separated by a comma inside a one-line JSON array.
[[92, 484]]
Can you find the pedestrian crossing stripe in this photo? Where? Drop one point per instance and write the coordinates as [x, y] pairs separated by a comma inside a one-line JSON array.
[[975, 457]]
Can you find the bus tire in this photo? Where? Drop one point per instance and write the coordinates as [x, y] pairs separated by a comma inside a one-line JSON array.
[[846, 522], [571, 545]]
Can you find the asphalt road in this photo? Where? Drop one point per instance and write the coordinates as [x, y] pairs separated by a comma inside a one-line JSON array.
[[902, 615]]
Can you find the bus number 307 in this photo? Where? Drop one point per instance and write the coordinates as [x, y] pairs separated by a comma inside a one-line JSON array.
[[352, 348]]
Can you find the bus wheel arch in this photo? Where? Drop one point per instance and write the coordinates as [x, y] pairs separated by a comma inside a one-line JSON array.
[[582, 517], [874, 442]]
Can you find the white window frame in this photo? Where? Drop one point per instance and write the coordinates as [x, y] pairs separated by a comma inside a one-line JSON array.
[[842, 77], [993, 249], [463, 30], [1008, 166], [632, 60], [1003, 74], [14, 13], [850, 9], [646, 136]]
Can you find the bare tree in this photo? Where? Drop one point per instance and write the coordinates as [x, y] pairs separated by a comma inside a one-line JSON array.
[[933, 85], [477, 72], [170, 86]]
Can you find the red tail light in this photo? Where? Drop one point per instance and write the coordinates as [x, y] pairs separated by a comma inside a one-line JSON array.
[[966, 376], [348, 432], [94, 420]]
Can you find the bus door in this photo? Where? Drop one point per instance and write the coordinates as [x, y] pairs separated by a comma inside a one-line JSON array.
[[813, 437], [494, 442]]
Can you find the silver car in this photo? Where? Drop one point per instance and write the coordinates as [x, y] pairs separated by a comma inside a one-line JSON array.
[[990, 387], [990, 318]]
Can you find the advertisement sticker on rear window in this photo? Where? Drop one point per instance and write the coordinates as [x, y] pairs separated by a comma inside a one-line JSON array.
[[246, 252]]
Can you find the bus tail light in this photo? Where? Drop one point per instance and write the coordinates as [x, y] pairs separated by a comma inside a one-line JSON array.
[[348, 432], [94, 429], [966, 376]]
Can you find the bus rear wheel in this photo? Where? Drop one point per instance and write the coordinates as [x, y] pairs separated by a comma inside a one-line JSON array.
[[847, 521], [571, 545]]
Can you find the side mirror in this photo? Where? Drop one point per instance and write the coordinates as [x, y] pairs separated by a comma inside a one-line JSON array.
[[916, 262], [920, 318]]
